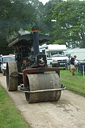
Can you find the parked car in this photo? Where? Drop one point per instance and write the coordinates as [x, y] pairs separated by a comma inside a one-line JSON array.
[[4, 60], [60, 60], [0, 62]]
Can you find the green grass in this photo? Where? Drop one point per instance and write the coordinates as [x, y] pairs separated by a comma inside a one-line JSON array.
[[73, 83], [10, 117]]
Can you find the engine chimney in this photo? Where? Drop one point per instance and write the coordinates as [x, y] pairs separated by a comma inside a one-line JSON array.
[[35, 40]]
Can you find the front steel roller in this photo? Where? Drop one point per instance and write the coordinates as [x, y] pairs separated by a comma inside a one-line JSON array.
[[43, 87], [11, 79]]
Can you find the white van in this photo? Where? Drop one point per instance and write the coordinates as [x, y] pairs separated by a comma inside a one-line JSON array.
[[52, 49], [60, 60], [4, 60]]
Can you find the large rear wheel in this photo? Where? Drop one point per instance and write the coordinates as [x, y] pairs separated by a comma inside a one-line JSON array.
[[12, 82]]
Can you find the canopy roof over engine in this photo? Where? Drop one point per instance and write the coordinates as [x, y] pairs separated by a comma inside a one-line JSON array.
[[28, 40]]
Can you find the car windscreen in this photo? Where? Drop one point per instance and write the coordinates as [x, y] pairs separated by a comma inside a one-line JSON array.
[[6, 59], [58, 55]]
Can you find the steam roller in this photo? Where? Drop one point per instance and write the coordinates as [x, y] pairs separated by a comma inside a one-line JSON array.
[[29, 72]]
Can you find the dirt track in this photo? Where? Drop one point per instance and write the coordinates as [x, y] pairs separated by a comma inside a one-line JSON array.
[[68, 112]]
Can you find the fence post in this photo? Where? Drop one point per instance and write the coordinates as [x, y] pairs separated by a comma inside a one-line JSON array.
[[83, 70]]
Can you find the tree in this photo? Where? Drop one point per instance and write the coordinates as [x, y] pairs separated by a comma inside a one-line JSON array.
[[70, 22], [47, 13], [16, 14]]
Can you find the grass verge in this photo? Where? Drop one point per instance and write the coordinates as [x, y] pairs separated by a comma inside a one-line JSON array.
[[73, 83], [10, 117]]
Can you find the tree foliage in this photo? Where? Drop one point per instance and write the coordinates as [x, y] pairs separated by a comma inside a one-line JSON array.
[[70, 22], [69, 27], [15, 14]]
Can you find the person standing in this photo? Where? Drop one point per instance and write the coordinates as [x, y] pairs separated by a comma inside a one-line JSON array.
[[72, 62]]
